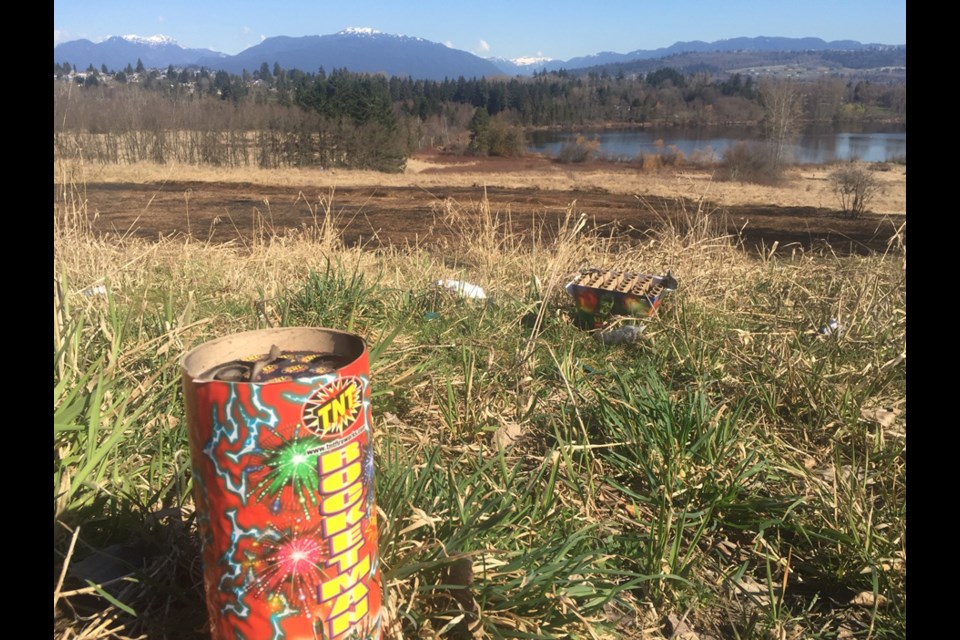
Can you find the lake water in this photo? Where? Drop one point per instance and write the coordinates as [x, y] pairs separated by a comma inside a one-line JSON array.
[[816, 146]]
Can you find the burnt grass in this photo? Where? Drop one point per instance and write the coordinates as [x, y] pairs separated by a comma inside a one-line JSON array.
[[222, 212]]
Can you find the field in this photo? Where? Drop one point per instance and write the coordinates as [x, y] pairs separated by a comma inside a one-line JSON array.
[[738, 472], [376, 209]]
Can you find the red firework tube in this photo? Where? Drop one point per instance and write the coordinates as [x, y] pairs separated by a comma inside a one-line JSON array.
[[282, 456]]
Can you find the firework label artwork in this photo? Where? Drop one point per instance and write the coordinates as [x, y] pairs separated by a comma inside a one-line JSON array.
[[284, 481], [343, 512], [334, 408]]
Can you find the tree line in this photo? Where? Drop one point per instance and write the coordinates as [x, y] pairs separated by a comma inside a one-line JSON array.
[[274, 117]]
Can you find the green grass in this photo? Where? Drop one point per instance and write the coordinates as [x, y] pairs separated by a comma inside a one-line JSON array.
[[728, 470]]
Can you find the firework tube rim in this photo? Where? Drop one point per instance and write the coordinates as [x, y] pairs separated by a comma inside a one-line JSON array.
[[235, 346]]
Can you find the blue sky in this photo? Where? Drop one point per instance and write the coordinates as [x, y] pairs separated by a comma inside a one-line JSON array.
[[560, 29]]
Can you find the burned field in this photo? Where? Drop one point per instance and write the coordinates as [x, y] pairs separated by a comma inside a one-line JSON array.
[[383, 215]]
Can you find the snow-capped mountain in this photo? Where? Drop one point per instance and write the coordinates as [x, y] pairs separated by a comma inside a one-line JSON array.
[[530, 61], [524, 66], [360, 31], [118, 51], [158, 40], [361, 50]]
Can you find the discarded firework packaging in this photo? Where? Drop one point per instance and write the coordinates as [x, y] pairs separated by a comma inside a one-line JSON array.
[[282, 456], [600, 294]]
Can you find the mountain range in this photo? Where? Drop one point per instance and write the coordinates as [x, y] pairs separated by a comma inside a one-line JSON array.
[[370, 51], [118, 51], [359, 50]]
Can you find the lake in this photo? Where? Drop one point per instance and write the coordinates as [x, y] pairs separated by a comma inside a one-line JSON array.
[[814, 146]]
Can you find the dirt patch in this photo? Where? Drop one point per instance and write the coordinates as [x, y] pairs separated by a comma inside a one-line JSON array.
[[529, 192]]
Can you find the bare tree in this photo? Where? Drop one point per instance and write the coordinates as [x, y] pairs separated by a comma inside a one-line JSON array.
[[783, 107]]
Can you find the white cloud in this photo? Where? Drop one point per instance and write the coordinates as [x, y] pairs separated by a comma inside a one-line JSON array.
[[247, 30], [448, 44], [484, 46], [161, 19]]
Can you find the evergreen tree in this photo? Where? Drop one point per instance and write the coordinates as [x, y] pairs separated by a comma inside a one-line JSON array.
[[480, 131], [140, 67], [221, 82]]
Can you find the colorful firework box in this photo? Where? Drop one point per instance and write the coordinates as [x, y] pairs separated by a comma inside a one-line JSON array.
[[600, 294], [282, 455]]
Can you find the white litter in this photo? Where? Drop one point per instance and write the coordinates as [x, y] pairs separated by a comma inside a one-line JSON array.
[[463, 289], [95, 290], [831, 327], [626, 334]]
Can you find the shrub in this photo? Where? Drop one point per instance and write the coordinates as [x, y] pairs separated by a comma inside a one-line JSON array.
[[671, 156], [649, 161], [665, 156], [746, 162], [580, 150], [505, 139], [855, 187], [495, 136], [703, 157]]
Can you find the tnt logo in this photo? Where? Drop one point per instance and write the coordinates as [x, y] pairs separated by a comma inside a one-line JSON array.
[[333, 409]]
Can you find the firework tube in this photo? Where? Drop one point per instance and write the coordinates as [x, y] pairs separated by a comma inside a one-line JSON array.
[[283, 484]]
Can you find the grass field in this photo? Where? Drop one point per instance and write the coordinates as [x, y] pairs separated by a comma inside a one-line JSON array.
[[734, 474]]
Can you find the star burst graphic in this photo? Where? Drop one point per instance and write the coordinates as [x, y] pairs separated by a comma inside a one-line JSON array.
[[293, 563], [293, 463]]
